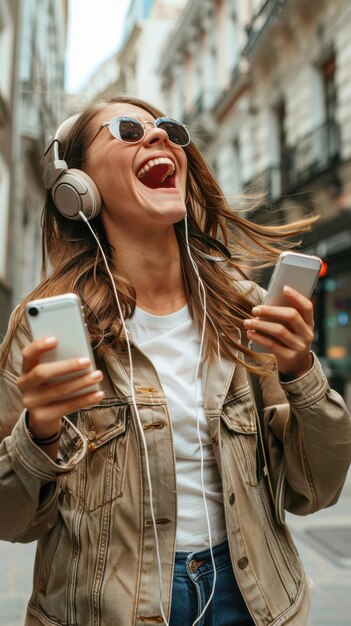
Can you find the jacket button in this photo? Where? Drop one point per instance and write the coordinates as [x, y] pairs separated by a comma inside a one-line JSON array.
[[231, 498], [243, 562]]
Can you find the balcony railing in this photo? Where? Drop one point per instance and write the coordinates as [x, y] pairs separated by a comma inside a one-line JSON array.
[[316, 154], [260, 22], [312, 155]]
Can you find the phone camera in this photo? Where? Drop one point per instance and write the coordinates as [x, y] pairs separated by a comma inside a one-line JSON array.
[[33, 311]]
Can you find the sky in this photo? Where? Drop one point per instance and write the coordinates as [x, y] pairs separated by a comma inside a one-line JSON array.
[[94, 32]]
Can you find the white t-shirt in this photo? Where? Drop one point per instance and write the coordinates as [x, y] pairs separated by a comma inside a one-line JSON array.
[[172, 344]]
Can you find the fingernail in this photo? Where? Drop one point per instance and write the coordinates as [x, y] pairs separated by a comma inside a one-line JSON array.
[[96, 374], [256, 310], [99, 395], [247, 323], [84, 360], [287, 289], [50, 340]]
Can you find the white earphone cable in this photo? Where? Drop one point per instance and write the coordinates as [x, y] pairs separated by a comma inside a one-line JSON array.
[[140, 426], [202, 293]]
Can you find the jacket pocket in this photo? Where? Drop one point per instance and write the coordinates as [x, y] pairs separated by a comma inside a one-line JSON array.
[[36, 616], [99, 478], [47, 547], [238, 417]]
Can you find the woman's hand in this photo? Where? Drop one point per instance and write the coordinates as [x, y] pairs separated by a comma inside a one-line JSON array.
[[48, 402], [286, 332]]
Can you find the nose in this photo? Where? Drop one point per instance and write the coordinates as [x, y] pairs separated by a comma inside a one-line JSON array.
[[154, 134]]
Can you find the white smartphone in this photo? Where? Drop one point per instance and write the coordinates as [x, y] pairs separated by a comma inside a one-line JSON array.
[[296, 270], [62, 316]]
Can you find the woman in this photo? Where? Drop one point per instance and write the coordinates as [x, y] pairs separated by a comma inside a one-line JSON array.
[[131, 523]]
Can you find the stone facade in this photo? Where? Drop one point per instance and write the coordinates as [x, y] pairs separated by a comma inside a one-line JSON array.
[[265, 87], [8, 46], [34, 41]]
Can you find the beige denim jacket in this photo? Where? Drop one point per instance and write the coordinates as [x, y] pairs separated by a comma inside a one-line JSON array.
[[96, 561]]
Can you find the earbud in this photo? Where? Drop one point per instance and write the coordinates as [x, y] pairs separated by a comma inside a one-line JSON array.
[[72, 190]]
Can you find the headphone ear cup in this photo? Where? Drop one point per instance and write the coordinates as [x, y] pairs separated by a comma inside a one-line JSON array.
[[75, 191]]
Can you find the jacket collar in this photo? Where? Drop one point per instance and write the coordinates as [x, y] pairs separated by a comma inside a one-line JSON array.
[[216, 377]]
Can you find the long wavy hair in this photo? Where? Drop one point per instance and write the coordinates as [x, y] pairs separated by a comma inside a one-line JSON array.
[[72, 262]]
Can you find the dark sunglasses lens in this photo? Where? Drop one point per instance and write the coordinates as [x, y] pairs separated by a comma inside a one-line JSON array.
[[177, 133], [127, 129]]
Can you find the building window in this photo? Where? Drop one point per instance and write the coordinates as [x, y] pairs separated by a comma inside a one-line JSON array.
[[330, 93], [6, 51], [210, 66], [27, 43], [278, 153], [324, 140], [233, 36], [228, 165]]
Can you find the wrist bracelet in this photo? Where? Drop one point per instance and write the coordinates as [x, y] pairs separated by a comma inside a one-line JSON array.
[[47, 441], [43, 441]]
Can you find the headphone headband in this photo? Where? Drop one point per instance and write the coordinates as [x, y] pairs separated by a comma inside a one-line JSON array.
[[54, 166]]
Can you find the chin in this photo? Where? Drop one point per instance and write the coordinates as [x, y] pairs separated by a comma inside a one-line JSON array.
[[169, 212]]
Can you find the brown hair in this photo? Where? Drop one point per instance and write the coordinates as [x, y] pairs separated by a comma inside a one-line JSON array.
[[77, 265]]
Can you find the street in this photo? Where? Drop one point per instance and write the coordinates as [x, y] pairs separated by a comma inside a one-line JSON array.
[[329, 566]]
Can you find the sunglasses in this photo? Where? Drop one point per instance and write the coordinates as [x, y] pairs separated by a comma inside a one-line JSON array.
[[130, 130]]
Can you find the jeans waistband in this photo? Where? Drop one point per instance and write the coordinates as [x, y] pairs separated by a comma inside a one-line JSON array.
[[201, 559]]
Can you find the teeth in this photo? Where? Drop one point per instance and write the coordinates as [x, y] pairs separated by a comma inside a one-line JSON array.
[[153, 162]]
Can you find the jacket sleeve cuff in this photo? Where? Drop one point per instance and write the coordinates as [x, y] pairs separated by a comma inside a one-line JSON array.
[[307, 389], [73, 447]]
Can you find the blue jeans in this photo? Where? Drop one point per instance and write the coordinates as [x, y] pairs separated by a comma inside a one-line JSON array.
[[192, 585]]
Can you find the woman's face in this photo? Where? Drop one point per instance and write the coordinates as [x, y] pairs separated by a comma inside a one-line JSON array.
[[136, 192]]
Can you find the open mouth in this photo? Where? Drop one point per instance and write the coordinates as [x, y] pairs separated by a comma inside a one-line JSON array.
[[158, 173]]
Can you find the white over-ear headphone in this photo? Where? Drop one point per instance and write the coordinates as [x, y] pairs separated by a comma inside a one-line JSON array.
[[72, 190]]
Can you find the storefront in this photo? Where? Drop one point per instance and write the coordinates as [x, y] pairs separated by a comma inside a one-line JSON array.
[[332, 300]]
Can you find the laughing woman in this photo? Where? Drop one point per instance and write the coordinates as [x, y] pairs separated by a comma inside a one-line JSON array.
[[145, 497]]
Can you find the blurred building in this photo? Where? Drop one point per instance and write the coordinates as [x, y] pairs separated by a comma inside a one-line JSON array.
[[265, 87], [8, 45], [132, 70], [32, 40]]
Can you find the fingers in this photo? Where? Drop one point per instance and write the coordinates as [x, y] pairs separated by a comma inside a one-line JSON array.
[[284, 324], [298, 319], [43, 373], [55, 392], [286, 332], [49, 390], [45, 415], [34, 350], [302, 304], [269, 334]]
